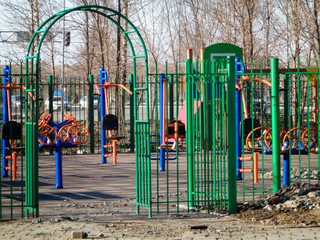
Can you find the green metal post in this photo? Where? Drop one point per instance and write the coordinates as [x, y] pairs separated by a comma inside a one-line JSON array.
[[231, 129], [91, 117], [190, 130], [131, 116], [275, 121], [31, 143]]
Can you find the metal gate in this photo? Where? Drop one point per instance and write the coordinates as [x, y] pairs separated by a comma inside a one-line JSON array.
[[177, 173], [28, 200]]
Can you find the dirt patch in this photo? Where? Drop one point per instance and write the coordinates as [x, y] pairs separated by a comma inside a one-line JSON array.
[[296, 205], [292, 213], [118, 220], [282, 217]]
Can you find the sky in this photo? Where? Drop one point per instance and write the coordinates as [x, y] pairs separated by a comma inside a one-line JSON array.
[[4, 26]]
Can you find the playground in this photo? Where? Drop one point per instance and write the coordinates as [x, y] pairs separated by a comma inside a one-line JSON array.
[[213, 141]]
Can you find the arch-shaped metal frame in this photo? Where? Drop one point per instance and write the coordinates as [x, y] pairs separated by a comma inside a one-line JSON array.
[[32, 85]]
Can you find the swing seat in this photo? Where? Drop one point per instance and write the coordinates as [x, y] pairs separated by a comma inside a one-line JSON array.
[[175, 128], [172, 129]]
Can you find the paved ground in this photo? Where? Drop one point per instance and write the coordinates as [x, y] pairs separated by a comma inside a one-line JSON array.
[[86, 180], [99, 199]]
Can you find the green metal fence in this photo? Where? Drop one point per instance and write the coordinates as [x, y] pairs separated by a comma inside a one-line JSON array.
[[301, 122], [283, 130], [12, 191], [12, 181], [200, 171], [278, 132]]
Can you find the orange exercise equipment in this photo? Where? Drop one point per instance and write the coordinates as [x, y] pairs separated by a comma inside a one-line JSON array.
[[109, 123]]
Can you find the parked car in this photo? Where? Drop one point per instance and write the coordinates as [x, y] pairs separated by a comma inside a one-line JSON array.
[[84, 102], [57, 104], [17, 101]]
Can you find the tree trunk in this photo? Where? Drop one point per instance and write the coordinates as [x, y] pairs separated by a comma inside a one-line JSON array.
[[123, 59], [88, 71]]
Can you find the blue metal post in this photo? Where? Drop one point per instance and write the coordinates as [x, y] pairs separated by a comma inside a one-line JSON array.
[[162, 163], [238, 120], [286, 170], [103, 79], [5, 118], [58, 159]]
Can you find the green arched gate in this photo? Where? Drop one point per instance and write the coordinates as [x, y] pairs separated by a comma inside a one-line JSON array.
[[32, 85]]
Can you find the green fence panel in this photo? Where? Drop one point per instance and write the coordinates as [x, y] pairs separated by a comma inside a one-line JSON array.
[[12, 188], [199, 172]]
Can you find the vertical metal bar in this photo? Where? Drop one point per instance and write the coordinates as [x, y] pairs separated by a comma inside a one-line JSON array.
[[213, 104], [22, 143], [275, 119], [220, 130], [131, 116], [262, 104], [147, 139], [231, 131], [10, 145], [32, 192], [224, 193], [166, 121], [50, 89], [286, 156], [171, 116], [197, 142], [91, 112], [123, 118], [315, 118], [163, 121], [252, 108], [238, 119], [243, 141], [103, 79], [190, 129], [214, 127], [137, 166], [176, 137], [5, 118], [202, 137], [157, 141]]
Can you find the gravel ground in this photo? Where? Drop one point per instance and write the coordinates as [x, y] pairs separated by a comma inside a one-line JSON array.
[[98, 202], [273, 218]]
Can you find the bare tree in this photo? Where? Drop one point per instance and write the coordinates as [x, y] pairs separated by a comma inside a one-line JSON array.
[[311, 30]]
